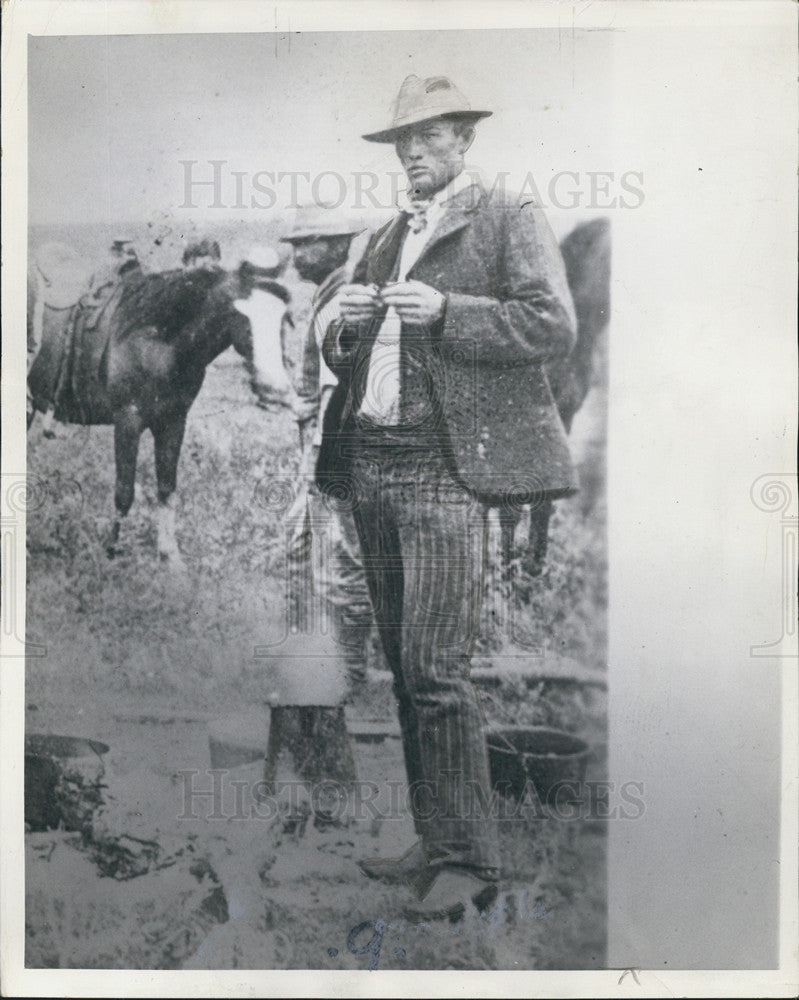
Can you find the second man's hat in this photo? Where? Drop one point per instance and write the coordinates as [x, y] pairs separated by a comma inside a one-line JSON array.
[[318, 220]]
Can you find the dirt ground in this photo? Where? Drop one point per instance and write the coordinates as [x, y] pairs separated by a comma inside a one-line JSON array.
[[144, 661], [243, 892]]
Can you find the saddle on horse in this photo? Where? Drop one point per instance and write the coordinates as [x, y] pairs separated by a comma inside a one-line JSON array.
[[68, 334], [79, 396]]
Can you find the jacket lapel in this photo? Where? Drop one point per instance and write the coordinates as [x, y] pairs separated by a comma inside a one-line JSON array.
[[457, 215], [386, 249]]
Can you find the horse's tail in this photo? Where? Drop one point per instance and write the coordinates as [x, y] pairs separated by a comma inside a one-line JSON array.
[[586, 255], [35, 333], [36, 318], [46, 343]]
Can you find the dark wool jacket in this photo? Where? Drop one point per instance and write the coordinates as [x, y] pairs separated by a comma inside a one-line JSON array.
[[508, 312]]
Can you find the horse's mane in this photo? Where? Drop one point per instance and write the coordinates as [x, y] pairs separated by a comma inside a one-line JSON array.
[[168, 300]]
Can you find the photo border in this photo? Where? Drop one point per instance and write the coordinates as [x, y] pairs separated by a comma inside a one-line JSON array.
[[25, 17]]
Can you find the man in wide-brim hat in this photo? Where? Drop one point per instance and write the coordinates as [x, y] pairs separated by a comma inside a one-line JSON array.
[[324, 552], [455, 308]]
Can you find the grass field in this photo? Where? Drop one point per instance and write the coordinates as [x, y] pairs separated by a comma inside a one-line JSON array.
[[142, 658]]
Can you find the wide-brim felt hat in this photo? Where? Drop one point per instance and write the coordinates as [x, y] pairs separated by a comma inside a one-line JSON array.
[[422, 100], [315, 221]]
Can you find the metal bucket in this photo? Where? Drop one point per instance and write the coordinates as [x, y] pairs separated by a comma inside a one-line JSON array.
[[62, 780], [545, 757]]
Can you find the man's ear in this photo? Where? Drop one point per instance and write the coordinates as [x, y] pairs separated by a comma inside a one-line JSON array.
[[467, 137]]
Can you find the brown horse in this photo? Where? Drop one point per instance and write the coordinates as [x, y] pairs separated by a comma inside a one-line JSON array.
[[586, 255], [147, 355]]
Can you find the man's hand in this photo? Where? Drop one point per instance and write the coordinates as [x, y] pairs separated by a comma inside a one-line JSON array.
[[358, 303], [417, 304]]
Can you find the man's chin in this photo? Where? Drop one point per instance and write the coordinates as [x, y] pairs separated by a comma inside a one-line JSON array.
[[420, 184]]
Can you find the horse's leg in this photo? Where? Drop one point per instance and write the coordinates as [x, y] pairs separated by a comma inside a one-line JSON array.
[[538, 538], [168, 437], [508, 520], [47, 423], [127, 433]]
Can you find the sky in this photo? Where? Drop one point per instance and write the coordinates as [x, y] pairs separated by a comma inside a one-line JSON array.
[[112, 117]]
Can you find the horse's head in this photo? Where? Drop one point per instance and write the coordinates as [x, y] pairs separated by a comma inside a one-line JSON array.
[[262, 302], [207, 309], [231, 326]]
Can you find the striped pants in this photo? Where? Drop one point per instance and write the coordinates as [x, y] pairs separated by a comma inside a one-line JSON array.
[[423, 539]]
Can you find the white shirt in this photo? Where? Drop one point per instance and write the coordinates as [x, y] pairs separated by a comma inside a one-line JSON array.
[[381, 397]]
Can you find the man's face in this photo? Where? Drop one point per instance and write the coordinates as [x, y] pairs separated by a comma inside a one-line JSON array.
[[431, 154], [316, 257]]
